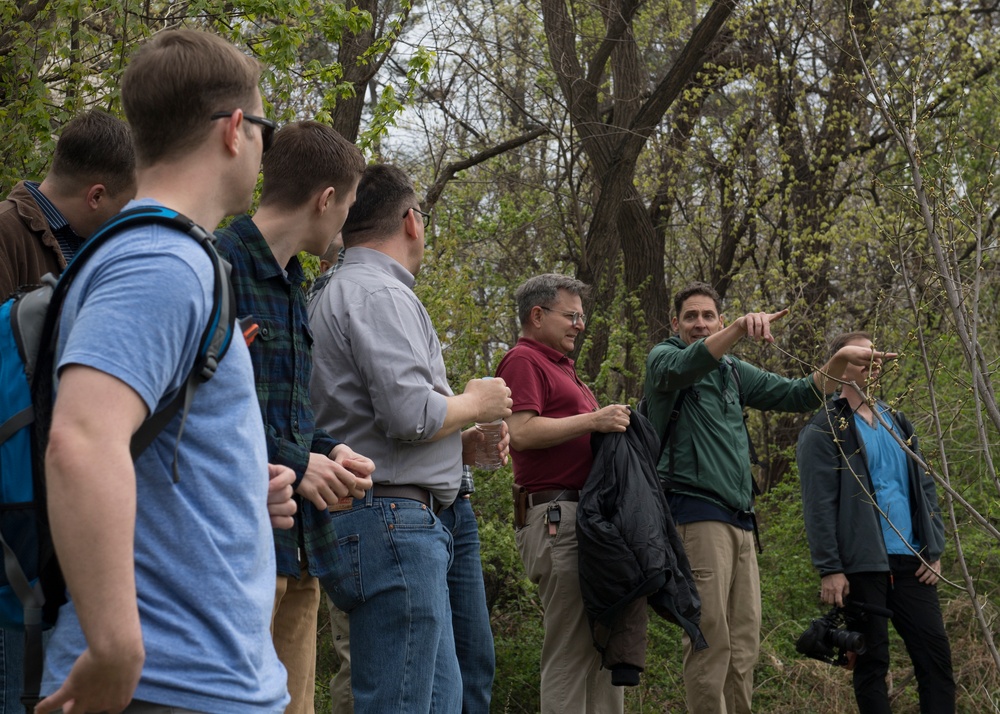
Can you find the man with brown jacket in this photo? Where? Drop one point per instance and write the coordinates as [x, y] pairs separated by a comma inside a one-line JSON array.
[[91, 178]]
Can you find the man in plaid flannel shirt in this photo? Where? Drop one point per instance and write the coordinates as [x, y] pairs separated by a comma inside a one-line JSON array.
[[310, 177]]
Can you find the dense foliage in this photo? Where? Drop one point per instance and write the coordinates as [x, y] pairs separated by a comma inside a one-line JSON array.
[[836, 158]]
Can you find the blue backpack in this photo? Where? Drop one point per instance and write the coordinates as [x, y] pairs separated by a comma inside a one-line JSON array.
[[31, 584]]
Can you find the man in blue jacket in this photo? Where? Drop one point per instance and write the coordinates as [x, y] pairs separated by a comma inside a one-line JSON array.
[[876, 535]]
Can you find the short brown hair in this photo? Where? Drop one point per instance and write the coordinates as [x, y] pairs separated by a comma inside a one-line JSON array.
[[307, 157], [692, 289], [385, 194], [174, 84], [95, 147], [543, 291], [846, 338]]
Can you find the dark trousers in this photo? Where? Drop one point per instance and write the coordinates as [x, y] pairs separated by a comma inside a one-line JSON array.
[[917, 618]]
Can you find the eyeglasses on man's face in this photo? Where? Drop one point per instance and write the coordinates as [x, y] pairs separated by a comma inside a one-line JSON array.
[[426, 216], [576, 318], [267, 126]]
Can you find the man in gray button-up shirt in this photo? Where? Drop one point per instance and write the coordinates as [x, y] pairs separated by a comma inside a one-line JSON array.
[[379, 381]]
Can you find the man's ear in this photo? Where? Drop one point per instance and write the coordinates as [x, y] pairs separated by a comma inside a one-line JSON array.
[[95, 194], [410, 223], [722, 321], [675, 325], [232, 132], [325, 199]]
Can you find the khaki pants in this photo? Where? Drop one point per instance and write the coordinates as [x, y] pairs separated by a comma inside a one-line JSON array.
[[719, 680], [572, 679], [293, 629]]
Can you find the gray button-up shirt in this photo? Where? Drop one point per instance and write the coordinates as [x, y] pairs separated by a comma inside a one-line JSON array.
[[379, 379]]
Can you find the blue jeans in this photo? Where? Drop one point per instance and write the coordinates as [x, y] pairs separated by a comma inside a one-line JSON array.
[[469, 615], [12, 671], [392, 580]]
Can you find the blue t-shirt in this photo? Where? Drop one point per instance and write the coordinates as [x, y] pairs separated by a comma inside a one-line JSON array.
[[204, 556], [890, 477]]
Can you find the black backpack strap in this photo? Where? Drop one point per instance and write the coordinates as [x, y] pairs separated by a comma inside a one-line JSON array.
[[754, 459], [215, 339], [738, 380], [671, 427]]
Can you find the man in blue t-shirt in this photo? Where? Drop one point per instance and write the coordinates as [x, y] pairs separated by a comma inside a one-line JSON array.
[[171, 583], [876, 534]]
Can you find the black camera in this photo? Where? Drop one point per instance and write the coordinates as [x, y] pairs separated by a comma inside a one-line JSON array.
[[826, 638]]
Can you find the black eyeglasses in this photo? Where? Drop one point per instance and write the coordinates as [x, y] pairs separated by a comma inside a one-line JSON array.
[[426, 216], [267, 126], [575, 317]]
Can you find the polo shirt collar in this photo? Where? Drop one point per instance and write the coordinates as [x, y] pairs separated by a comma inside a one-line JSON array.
[[552, 354]]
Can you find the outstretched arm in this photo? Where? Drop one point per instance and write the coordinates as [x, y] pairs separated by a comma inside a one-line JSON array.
[[754, 325], [829, 377]]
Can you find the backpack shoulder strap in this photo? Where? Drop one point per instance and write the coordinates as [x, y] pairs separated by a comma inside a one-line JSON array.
[[738, 381], [671, 427], [215, 338]]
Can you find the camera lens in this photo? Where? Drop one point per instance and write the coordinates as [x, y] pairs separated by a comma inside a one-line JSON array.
[[846, 640]]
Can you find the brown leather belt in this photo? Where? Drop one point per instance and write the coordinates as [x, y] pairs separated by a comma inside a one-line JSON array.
[[414, 493], [565, 494]]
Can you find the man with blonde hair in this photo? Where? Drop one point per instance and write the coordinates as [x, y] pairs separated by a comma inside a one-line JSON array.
[[876, 534], [171, 580]]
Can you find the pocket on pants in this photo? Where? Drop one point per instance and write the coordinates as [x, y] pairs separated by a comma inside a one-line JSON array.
[[407, 514], [343, 582]]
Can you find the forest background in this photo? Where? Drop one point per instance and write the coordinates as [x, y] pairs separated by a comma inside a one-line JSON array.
[[833, 157]]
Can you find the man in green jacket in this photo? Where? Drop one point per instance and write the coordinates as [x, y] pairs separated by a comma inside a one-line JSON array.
[[693, 384]]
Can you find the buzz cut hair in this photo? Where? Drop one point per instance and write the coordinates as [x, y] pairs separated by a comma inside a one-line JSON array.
[[95, 147], [175, 83]]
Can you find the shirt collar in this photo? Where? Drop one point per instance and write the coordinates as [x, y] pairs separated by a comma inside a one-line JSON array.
[[56, 220], [264, 264], [358, 255], [552, 354]]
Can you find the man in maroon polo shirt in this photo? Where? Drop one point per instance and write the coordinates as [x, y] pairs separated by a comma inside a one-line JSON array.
[[554, 415]]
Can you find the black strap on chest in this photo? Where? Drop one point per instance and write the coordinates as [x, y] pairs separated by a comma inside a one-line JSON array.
[[670, 431]]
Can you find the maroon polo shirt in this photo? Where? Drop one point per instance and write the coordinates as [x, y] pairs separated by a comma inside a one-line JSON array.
[[544, 380]]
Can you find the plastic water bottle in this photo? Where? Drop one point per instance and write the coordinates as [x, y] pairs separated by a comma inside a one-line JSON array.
[[487, 456]]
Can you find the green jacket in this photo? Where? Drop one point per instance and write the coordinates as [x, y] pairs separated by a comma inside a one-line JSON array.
[[711, 453]]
